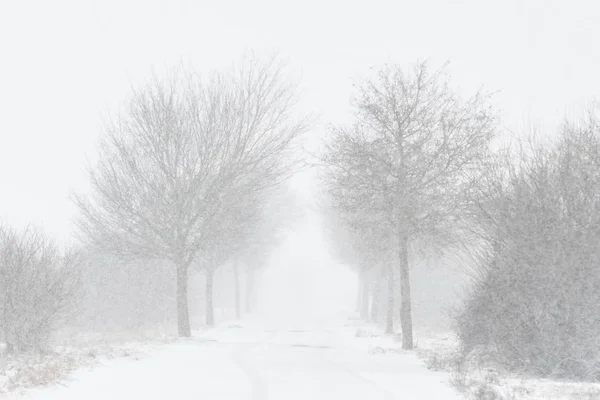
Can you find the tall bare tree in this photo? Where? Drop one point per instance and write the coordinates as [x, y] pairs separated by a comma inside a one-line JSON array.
[[178, 151], [411, 149]]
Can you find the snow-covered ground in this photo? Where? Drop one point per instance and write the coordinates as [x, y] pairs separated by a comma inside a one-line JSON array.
[[488, 381], [326, 358], [19, 372], [258, 359]]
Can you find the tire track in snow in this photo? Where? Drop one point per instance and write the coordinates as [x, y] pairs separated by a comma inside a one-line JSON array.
[[326, 357], [258, 383], [323, 346], [245, 355], [386, 394]]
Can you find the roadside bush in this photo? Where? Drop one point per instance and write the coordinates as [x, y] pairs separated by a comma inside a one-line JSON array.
[[535, 299], [38, 287]]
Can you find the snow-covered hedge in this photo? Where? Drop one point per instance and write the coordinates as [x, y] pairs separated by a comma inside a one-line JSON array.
[[535, 300]]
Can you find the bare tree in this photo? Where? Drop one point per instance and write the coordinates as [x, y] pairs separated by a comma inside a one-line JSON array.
[[38, 288], [180, 149], [411, 149]]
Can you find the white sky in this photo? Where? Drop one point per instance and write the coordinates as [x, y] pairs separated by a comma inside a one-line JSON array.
[[64, 63]]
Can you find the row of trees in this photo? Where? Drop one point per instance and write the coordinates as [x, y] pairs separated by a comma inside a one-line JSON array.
[[189, 175], [398, 176], [416, 171], [46, 292], [184, 171], [137, 295]]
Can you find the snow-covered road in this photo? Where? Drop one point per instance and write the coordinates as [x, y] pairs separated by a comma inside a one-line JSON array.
[[259, 361]]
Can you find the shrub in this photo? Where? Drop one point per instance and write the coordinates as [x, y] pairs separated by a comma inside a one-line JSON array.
[[38, 286], [535, 299]]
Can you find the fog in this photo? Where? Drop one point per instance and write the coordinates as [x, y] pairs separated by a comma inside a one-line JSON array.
[[302, 279], [300, 282], [268, 199]]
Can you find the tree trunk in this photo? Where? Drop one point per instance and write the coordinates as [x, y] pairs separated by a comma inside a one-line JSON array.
[[405, 302], [375, 296], [249, 289], [10, 348], [210, 311], [364, 310], [389, 328], [183, 315], [236, 277], [359, 294]]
